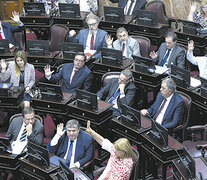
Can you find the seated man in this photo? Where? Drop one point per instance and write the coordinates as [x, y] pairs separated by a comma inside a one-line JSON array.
[[74, 75], [200, 61], [130, 6], [24, 129], [91, 38], [72, 144], [124, 43], [119, 91], [85, 5], [7, 29], [169, 53], [168, 108]]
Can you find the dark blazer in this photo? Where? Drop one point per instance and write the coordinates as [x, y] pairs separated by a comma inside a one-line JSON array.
[[82, 79], [82, 36], [9, 29], [177, 56], [174, 112], [83, 151], [140, 4], [37, 131], [109, 90]]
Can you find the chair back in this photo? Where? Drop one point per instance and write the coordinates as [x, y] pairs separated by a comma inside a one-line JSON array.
[[108, 76], [159, 7], [20, 39], [58, 34], [20, 115], [134, 174], [144, 45]]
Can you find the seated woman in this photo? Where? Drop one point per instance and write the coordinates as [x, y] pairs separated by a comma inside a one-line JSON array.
[[120, 163], [198, 13], [21, 74]]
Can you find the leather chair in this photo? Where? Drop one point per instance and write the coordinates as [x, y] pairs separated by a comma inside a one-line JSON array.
[[144, 45], [159, 7], [198, 143], [108, 76], [57, 36], [180, 131], [20, 39]]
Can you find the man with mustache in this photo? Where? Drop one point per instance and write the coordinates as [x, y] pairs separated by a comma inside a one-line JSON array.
[[91, 38]]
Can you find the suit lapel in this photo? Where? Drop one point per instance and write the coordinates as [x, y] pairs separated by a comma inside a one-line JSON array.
[[95, 45], [172, 55], [85, 37], [78, 146], [18, 128], [77, 75], [169, 108], [122, 3], [114, 88], [70, 70]]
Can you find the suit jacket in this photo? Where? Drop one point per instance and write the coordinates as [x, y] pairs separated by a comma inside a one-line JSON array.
[[9, 29], [29, 75], [83, 151], [132, 47], [82, 36], [177, 56], [140, 4], [111, 88], [82, 79], [174, 112], [37, 131]]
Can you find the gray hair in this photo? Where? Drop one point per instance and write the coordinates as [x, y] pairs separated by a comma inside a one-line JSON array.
[[172, 35], [127, 72], [73, 124], [120, 30], [92, 16], [27, 110], [170, 83]]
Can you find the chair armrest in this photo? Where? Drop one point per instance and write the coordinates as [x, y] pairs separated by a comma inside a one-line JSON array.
[[196, 128]]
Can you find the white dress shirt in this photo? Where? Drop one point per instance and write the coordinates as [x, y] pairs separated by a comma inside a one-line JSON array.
[[88, 42], [200, 61], [162, 113]]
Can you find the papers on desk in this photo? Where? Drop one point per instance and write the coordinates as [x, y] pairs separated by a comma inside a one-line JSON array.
[[54, 160], [161, 70], [195, 82], [89, 52]]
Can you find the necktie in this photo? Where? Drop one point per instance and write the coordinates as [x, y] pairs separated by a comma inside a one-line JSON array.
[[165, 58], [123, 48], [75, 71], [91, 44], [130, 7], [70, 150], [160, 109], [115, 96], [0, 36], [24, 135]]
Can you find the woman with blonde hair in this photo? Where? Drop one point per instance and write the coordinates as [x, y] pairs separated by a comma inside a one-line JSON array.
[[198, 13], [120, 163], [20, 73]]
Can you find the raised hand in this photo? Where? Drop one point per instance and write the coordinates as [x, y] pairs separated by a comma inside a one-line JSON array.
[[109, 40], [47, 70], [153, 55], [190, 45], [122, 87], [29, 129], [3, 65], [60, 130], [88, 129], [15, 17]]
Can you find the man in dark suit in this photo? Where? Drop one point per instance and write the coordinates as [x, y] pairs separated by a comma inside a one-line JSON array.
[[74, 75], [169, 53], [72, 144], [91, 38], [168, 108], [134, 4], [24, 129], [119, 91], [7, 29]]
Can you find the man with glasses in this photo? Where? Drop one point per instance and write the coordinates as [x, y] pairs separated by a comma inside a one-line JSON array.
[[72, 144], [91, 38], [119, 91], [168, 108], [24, 129], [124, 43], [74, 75], [169, 53]]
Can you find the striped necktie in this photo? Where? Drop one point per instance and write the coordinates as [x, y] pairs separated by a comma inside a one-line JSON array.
[[24, 135]]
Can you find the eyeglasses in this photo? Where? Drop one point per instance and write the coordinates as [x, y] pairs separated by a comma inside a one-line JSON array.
[[79, 60], [92, 24]]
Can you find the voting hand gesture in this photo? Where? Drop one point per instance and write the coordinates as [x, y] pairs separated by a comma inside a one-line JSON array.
[[60, 130], [47, 70], [15, 17]]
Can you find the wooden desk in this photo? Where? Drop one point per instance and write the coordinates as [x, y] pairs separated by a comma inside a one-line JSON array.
[[31, 170], [155, 34], [180, 172]]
